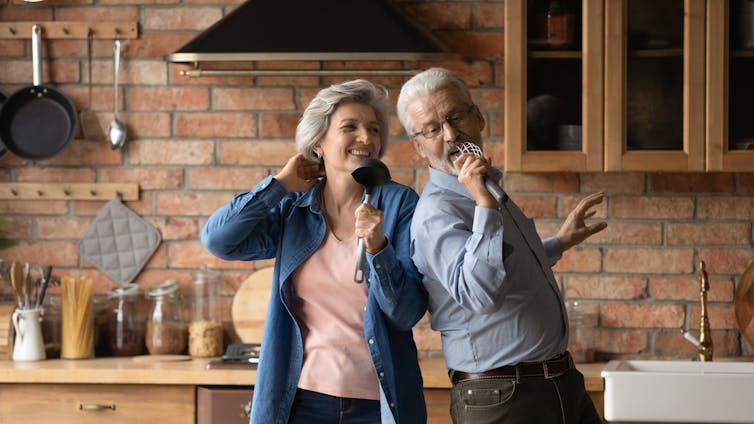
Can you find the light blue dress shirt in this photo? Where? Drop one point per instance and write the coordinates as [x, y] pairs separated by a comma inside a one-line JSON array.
[[492, 294], [268, 222]]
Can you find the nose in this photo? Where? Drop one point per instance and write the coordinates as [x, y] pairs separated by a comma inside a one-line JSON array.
[[449, 133]]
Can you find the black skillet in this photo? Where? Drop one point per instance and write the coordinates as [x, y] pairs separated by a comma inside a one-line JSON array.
[[3, 150], [37, 121]]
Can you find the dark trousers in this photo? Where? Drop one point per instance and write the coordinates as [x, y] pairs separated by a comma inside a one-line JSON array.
[[528, 400], [318, 408]]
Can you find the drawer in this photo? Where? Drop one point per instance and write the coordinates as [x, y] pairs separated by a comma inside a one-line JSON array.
[[223, 404], [95, 403]]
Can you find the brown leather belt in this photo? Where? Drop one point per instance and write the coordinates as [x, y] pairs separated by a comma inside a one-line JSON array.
[[548, 369]]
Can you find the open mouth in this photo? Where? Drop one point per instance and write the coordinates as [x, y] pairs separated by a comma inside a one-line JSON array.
[[360, 153]]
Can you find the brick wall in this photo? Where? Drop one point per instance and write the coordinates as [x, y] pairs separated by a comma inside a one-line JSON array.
[[194, 142]]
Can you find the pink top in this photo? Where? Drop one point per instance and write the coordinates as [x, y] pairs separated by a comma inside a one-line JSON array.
[[330, 310]]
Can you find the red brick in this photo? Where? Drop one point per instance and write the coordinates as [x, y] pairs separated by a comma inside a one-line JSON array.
[[278, 124], [94, 13], [180, 18], [269, 153], [602, 286], [651, 207], [11, 48], [536, 206], [741, 208], [190, 204], [167, 98], [25, 13], [489, 15], [157, 45], [567, 203], [580, 259], [147, 178], [229, 125], [16, 227], [653, 261], [404, 176], [172, 228], [687, 289], [672, 345], [60, 228], [746, 182], [475, 44], [622, 341], [726, 261], [708, 233], [541, 183], [57, 175], [627, 233], [692, 182], [642, 315], [191, 254], [719, 316], [170, 152], [253, 99], [58, 253], [401, 153], [613, 183], [225, 178], [34, 207]]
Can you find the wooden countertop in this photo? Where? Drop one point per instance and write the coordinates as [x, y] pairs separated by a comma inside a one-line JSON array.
[[193, 372]]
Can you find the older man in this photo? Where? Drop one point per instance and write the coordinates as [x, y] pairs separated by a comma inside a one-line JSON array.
[[492, 293]]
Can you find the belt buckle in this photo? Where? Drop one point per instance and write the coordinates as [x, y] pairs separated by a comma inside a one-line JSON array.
[[546, 371]]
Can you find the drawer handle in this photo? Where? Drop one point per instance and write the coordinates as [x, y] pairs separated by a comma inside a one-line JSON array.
[[95, 407]]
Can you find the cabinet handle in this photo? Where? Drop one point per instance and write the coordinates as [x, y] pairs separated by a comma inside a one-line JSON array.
[[95, 407]]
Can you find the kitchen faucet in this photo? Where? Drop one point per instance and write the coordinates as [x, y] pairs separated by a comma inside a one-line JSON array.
[[704, 343]]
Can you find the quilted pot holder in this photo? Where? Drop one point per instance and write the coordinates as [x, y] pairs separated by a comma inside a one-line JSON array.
[[119, 242]]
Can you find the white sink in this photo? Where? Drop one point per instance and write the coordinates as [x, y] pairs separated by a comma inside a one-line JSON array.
[[679, 391]]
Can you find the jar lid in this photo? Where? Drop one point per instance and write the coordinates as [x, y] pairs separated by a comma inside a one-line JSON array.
[[168, 287], [124, 291]]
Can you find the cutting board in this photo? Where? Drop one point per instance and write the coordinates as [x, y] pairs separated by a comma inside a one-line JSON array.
[[743, 303], [250, 305]]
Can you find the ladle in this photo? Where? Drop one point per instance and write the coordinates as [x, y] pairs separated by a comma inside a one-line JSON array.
[[116, 132], [370, 173]]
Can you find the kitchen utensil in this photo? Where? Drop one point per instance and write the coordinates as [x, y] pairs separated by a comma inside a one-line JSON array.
[[743, 304], [116, 132], [37, 121], [370, 173], [90, 127], [3, 150], [43, 283], [249, 307], [28, 345]]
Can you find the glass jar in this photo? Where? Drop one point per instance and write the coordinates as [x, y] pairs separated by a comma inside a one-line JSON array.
[[125, 322], [51, 325], [206, 329], [166, 329], [582, 322]]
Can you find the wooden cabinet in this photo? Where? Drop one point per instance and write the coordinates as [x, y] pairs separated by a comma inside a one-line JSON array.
[[25, 403], [639, 86]]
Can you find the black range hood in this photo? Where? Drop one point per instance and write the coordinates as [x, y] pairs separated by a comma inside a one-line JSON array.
[[312, 30]]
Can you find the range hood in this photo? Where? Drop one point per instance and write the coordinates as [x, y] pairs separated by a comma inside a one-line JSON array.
[[311, 30]]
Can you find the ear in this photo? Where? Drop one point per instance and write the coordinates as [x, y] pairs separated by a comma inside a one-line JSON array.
[[419, 148], [480, 118], [317, 149]]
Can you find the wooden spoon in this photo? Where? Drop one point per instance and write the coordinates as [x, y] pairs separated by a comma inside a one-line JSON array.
[[16, 281]]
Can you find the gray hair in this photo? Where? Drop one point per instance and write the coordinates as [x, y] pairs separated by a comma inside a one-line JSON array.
[[424, 84], [316, 118]]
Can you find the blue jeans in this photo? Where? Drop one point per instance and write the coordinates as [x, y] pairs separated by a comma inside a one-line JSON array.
[[318, 408], [558, 400]]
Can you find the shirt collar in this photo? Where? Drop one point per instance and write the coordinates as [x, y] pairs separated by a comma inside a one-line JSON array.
[[447, 182]]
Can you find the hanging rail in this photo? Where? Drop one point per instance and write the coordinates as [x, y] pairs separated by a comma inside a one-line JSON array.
[[68, 191], [72, 30]]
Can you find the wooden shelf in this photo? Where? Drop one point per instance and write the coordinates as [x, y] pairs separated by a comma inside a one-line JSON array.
[[68, 191], [550, 54], [72, 30]]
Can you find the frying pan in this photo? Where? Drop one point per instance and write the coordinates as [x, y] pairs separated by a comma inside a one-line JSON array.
[[37, 121]]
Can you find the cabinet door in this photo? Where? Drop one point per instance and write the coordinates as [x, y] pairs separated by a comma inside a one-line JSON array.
[[730, 86], [96, 403], [554, 85], [654, 85]]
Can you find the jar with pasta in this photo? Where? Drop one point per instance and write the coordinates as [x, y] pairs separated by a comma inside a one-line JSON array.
[[205, 329], [166, 328]]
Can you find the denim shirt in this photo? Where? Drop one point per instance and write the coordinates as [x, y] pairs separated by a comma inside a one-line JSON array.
[[269, 222]]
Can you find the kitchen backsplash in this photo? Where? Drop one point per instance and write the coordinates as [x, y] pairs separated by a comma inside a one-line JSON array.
[[194, 142]]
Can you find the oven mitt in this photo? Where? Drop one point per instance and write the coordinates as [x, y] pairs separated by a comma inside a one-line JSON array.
[[119, 242]]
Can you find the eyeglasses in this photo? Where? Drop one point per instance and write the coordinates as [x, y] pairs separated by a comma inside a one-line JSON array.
[[456, 119]]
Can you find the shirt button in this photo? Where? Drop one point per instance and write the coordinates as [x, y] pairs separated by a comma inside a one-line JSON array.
[[377, 266], [365, 308], [382, 374], [392, 405], [371, 341]]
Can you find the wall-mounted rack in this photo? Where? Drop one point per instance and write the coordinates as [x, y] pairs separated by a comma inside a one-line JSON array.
[[68, 191], [74, 30]]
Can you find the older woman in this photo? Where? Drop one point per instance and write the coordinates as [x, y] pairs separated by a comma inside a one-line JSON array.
[[333, 351]]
